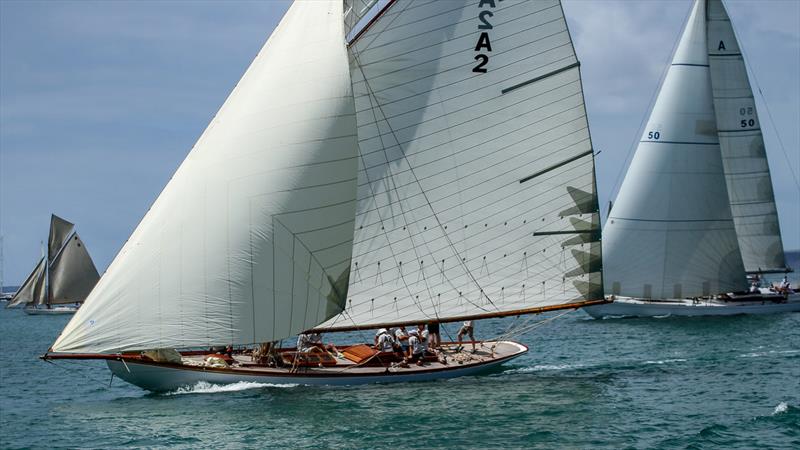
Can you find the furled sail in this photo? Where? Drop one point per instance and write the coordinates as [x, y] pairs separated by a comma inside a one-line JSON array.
[[32, 290], [671, 234], [476, 191], [60, 230], [743, 153], [72, 273], [251, 239]]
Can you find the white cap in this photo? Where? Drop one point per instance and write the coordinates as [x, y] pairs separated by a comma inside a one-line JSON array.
[[381, 331]]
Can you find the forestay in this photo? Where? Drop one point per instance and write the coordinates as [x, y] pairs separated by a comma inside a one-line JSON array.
[[670, 233], [743, 153], [72, 273], [251, 239], [476, 192]]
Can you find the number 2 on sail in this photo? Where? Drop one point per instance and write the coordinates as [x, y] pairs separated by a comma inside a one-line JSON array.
[[484, 42]]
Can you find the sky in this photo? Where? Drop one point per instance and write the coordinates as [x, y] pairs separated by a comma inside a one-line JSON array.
[[101, 101]]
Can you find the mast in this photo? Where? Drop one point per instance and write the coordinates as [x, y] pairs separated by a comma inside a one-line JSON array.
[[744, 156], [671, 233]]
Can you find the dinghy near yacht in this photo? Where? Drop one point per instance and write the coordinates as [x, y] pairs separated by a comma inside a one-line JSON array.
[[696, 212], [62, 279], [419, 162]]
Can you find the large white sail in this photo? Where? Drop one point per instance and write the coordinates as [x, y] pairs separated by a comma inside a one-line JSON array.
[[743, 153], [251, 239], [670, 233], [476, 173], [60, 230], [32, 290], [72, 273]]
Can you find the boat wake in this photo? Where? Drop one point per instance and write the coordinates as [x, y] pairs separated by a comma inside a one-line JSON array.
[[203, 387], [665, 361], [781, 408], [546, 367], [769, 353]]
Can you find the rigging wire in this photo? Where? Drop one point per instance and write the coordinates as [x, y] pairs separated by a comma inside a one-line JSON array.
[[766, 106]]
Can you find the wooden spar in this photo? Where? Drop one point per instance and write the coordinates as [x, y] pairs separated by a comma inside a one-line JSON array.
[[84, 356], [515, 312]]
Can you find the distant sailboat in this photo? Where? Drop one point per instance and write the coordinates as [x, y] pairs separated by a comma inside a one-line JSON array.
[[62, 279], [435, 168], [696, 212]]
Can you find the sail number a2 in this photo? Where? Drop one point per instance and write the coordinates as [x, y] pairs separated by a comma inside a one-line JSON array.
[[747, 117], [484, 43]]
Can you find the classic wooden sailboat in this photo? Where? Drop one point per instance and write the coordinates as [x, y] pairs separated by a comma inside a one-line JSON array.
[[696, 212], [62, 279], [419, 162]]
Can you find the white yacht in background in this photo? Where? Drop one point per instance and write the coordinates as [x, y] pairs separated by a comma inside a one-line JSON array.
[[62, 279], [696, 212]]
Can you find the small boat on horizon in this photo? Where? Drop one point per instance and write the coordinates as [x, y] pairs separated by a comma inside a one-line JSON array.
[[696, 211], [62, 279]]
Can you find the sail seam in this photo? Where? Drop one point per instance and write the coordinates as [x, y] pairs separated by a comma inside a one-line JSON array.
[[739, 131], [511, 240], [521, 101], [672, 220], [366, 48], [486, 126], [527, 199], [681, 143], [372, 95]]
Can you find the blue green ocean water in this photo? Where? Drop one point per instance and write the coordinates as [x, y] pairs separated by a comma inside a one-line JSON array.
[[728, 382]]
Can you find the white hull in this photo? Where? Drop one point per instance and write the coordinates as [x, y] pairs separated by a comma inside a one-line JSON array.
[[56, 311], [632, 307], [161, 377]]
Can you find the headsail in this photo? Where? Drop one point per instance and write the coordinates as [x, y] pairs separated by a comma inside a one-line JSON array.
[[743, 153], [671, 234], [251, 239], [32, 289], [60, 230], [72, 273], [476, 193]]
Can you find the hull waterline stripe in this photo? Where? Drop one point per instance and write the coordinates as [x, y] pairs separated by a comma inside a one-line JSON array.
[[673, 220], [739, 131]]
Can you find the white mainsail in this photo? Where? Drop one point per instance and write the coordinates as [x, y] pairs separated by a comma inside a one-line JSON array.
[[743, 152], [32, 290], [251, 239], [72, 273], [60, 230], [476, 172], [670, 233]]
